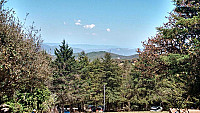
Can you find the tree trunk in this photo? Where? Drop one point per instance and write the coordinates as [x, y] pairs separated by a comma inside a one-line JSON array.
[[62, 111]]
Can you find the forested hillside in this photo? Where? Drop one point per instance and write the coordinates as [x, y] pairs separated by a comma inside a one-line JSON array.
[[101, 54], [165, 74]]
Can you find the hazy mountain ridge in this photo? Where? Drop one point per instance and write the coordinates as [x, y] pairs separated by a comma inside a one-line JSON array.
[[50, 48], [100, 54], [77, 48]]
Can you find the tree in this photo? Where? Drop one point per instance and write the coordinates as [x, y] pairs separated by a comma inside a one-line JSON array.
[[112, 79], [63, 77], [24, 67], [96, 82], [83, 81], [83, 63], [172, 57], [126, 88]]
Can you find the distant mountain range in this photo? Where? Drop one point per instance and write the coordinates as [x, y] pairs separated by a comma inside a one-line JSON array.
[[77, 48], [100, 54]]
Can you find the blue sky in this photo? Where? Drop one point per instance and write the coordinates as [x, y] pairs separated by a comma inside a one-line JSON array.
[[123, 23]]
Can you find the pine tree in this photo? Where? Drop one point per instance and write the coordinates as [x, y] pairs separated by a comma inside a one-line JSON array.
[[112, 78], [126, 88], [83, 70], [96, 82], [64, 74], [83, 63]]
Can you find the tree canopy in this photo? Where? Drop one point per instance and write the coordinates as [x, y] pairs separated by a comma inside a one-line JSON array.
[[24, 67], [171, 59]]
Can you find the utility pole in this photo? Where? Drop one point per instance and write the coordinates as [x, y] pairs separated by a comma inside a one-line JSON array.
[[104, 103]]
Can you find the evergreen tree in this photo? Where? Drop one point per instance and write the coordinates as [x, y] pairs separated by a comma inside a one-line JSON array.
[[83, 63], [112, 79], [83, 70], [96, 82], [126, 88], [63, 77]]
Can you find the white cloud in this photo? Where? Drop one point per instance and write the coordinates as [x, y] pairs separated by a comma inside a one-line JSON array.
[[65, 23], [108, 29], [89, 26], [93, 33], [77, 23]]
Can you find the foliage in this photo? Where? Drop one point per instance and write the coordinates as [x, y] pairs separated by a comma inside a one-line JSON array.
[[166, 73], [23, 66], [170, 60], [64, 74]]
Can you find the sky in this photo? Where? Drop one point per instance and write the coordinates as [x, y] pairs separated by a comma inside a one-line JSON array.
[[122, 23]]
